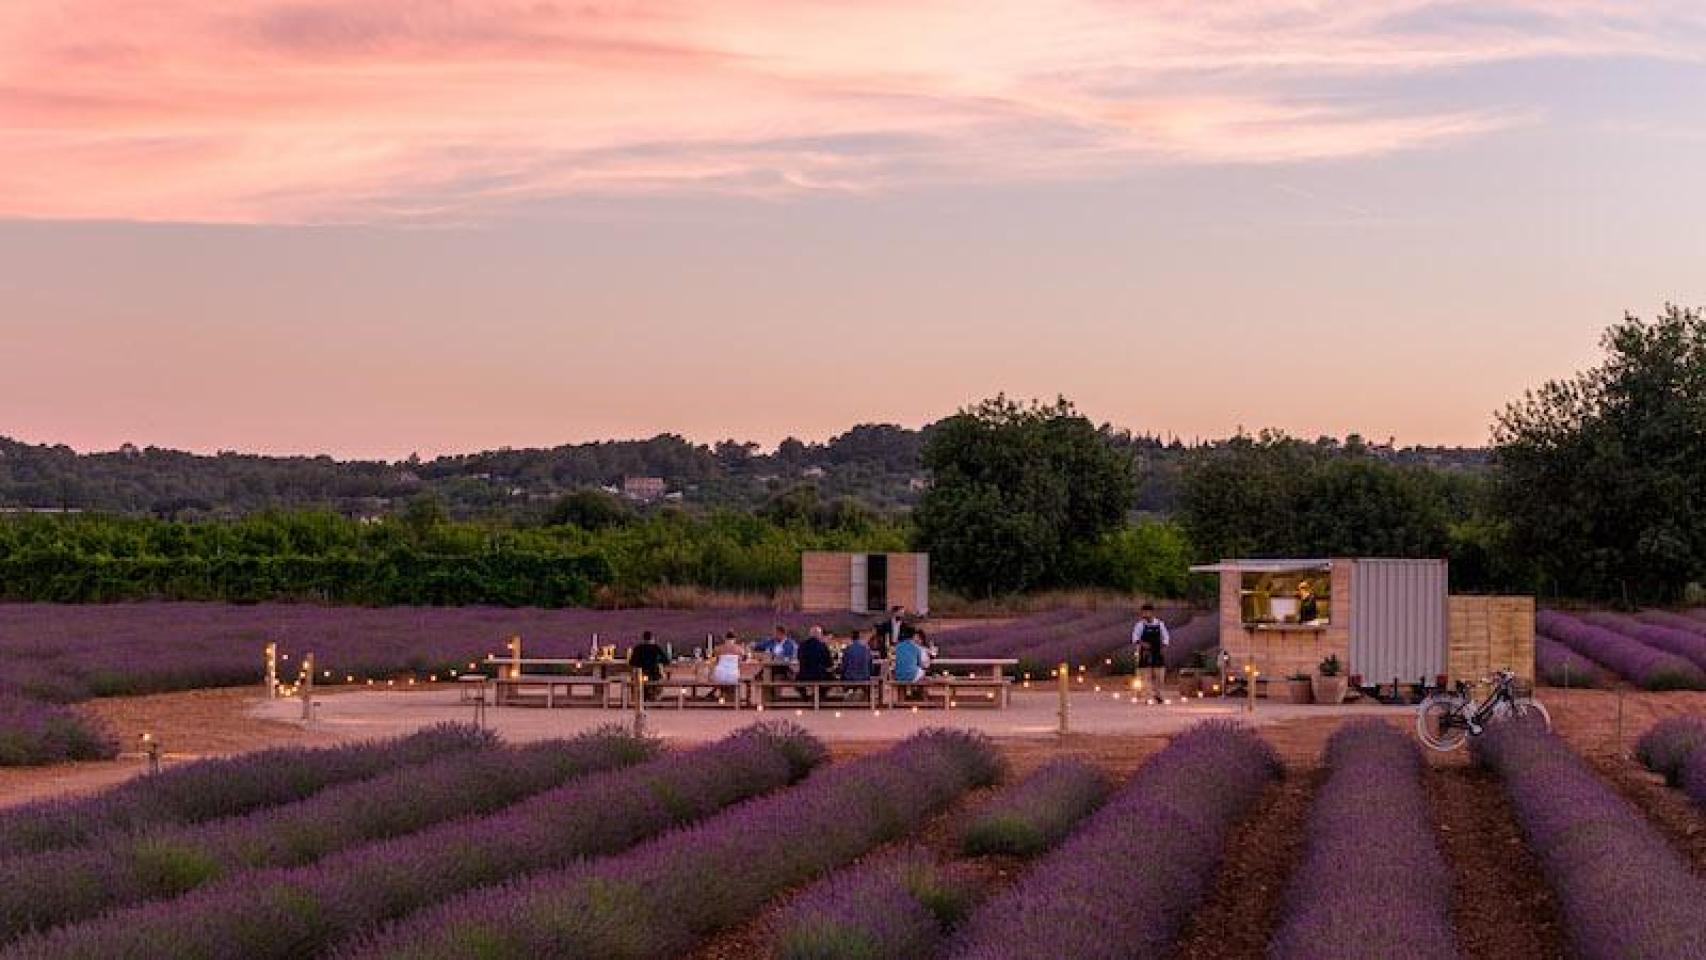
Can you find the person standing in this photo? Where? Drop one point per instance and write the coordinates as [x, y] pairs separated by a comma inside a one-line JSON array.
[[1150, 638], [1308, 609]]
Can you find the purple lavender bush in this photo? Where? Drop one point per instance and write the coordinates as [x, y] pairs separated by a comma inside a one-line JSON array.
[[34, 733], [223, 787], [658, 899], [1034, 815], [1372, 870], [1676, 621], [1624, 892], [1693, 778], [1635, 661], [1686, 644], [1668, 744], [1560, 666], [1123, 884], [62, 886], [303, 911], [890, 908]]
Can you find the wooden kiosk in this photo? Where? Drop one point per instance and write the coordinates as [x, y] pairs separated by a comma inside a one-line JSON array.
[[1385, 619]]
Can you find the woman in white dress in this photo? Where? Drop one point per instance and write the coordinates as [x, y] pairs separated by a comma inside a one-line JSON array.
[[725, 669]]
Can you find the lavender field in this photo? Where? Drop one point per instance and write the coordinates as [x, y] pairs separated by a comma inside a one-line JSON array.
[[52, 654], [451, 843]]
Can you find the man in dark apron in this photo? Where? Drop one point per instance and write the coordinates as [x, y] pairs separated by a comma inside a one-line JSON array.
[[1150, 638]]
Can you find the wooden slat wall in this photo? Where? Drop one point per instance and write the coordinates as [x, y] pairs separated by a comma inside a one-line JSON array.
[[826, 580], [1490, 633]]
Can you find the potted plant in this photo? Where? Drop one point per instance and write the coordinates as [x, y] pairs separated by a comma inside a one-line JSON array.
[[1299, 688], [1190, 682], [1329, 683]]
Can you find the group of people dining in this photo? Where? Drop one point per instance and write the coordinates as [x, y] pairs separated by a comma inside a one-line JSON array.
[[819, 657]]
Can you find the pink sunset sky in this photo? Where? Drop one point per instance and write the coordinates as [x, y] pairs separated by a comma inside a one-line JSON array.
[[373, 227]]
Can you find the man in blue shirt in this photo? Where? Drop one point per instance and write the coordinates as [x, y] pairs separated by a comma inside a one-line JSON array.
[[908, 660]]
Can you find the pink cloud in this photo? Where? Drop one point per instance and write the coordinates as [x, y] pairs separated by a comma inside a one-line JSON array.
[[316, 111]]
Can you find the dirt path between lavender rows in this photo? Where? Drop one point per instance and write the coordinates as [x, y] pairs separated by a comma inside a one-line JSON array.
[[190, 724]]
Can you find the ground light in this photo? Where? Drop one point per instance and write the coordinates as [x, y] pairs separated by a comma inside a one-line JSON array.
[[151, 748]]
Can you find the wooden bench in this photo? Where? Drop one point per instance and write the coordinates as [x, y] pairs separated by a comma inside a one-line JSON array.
[[508, 691], [763, 689], [947, 691], [697, 693]]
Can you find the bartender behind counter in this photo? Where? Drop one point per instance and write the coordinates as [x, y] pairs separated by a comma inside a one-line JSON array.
[[1308, 611]]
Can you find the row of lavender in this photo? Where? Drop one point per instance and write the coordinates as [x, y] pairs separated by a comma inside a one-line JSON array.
[[1623, 890], [308, 910], [1372, 870], [710, 876], [125, 867], [1087, 638], [907, 903], [1676, 749], [222, 787], [1653, 657]]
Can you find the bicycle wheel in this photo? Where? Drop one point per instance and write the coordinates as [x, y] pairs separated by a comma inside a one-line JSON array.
[[1530, 710], [1439, 722]]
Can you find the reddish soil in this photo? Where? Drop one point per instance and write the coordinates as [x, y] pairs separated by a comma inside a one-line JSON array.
[[190, 725], [1501, 904], [1669, 809], [1244, 905]]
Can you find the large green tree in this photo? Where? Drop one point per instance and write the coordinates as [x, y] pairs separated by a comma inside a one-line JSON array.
[[1275, 496], [1015, 490], [1600, 479]]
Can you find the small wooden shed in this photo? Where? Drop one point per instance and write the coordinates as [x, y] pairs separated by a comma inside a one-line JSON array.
[[864, 582], [1383, 618]]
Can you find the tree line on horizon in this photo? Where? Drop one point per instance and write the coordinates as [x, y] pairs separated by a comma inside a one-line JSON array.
[[1594, 488]]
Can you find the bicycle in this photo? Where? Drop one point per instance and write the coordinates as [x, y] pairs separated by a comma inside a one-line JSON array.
[[1445, 721]]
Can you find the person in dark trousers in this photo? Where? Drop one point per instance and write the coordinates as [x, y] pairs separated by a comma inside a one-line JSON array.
[[650, 659], [817, 661], [856, 661], [1151, 639]]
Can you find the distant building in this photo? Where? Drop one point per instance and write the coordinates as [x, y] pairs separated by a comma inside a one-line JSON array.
[[917, 484], [643, 488], [812, 473]]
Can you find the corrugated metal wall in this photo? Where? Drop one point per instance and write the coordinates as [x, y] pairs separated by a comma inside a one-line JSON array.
[[1398, 619]]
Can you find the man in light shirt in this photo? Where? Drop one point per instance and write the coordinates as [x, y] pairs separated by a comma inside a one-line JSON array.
[[1150, 638]]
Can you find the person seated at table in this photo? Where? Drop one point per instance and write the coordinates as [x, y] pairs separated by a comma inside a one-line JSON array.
[[782, 651], [649, 659], [725, 663], [926, 650], [908, 660], [816, 659], [856, 660]]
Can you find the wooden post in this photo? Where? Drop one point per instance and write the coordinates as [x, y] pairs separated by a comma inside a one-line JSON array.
[[515, 657], [1251, 672], [639, 703], [308, 686], [1064, 684], [1620, 753], [272, 671]]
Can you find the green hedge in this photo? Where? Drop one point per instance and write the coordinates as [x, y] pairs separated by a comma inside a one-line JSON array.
[[504, 579]]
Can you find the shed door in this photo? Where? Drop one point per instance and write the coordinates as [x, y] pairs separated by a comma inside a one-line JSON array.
[[861, 583], [1398, 620], [877, 575]]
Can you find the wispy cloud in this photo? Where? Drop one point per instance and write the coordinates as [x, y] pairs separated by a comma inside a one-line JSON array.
[[311, 110]]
